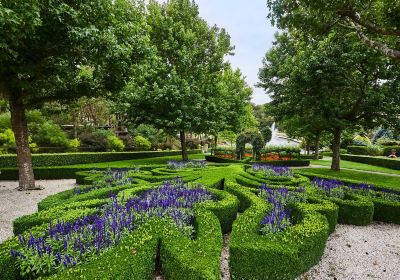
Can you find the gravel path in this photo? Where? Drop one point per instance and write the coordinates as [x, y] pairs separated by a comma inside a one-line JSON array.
[[14, 204], [360, 253]]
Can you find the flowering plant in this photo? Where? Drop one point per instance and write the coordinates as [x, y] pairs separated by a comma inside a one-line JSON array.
[[282, 200], [66, 244], [273, 171], [179, 165]]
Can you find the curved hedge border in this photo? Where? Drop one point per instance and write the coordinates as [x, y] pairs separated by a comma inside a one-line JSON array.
[[280, 256], [135, 256], [354, 209], [283, 255], [41, 160]]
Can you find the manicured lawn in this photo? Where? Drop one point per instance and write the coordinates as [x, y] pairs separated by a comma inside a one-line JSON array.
[[362, 177], [356, 165], [131, 163]]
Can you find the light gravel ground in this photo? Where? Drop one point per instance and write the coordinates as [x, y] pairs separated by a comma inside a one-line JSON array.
[[14, 204], [360, 253]]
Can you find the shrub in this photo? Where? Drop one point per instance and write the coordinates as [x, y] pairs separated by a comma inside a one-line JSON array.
[[142, 144], [41, 160], [96, 139], [50, 135], [388, 150], [371, 150], [74, 145], [115, 144], [377, 161], [280, 256], [388, 142], [361, 140]]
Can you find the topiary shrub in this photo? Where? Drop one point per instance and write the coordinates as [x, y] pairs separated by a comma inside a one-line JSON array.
[[252, 137]]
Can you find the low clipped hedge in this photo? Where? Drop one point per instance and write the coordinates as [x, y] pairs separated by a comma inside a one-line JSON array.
[[386, 211], [354, 209], [294, 162], [135, 257], [42, 160], [365, 150], [280, 256], [377, 161], [387, 150], [311, 175]]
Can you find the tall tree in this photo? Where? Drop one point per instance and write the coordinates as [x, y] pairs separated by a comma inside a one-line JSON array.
[[375, 22], [176, 93], [231, 100], [55, 50], [336, 81]]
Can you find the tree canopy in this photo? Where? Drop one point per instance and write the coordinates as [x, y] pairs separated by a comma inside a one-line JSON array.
[[330, 84], [376, 23], [61, 50]]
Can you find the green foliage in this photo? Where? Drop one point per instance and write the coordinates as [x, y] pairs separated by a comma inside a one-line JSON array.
[[7, 161], [74, 145], [115, 144], [375, 26], [96, 139], [252, 137], [141, 143], [354, 209], [50, 135], [362, 140], [376, 161], [371, 150], [176, 90], [280, 256], [155, 136], [7, 138]]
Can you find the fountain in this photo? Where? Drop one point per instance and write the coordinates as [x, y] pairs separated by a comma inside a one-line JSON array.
[[281, 139]]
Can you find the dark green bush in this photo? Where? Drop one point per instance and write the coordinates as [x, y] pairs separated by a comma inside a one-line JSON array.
[[377, 161], [354, 209], [41, 160], [275, 162], [386, 211], [387, 150], [372, 150]]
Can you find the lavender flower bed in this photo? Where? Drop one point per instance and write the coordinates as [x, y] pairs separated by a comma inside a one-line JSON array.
[[67, 244], [110, 178], [282, 201], [336, 188], [273, 171], [179, 165]]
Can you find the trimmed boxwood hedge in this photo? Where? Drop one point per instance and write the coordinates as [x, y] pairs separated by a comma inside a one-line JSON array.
[[294, 162], [41, 160], [354, 209], [134, 257], [377, 161], [386, 211], [280, 256]]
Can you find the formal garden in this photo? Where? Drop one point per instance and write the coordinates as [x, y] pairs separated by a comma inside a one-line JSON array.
[[134, 145]]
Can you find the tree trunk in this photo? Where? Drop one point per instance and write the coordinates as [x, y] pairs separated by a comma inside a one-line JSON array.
[[317, 141], [308, 147], [336, 150], [183, 145], [20, 128], [75, 120]]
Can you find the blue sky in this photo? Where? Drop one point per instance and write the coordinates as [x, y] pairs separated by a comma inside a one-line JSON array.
[[251, 34]]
